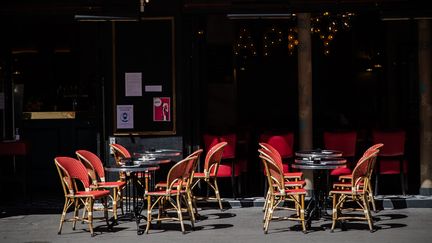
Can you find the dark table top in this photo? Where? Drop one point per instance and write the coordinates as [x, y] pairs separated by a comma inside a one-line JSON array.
[[321, 159], [323, 164], [136, 166], [318, 153], [158, 153]]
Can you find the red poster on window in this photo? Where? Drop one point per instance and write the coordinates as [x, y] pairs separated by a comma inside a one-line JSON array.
[[161, 109]]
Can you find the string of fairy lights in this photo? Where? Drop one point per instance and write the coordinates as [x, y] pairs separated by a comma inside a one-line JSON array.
[[273, 38], [324, 25], [245, 45]]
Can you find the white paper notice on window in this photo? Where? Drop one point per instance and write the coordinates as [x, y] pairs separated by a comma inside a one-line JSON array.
[[125, 117], [153, 88], [133, 84]]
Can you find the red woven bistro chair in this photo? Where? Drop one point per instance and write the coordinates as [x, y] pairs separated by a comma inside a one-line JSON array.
[[72, 171], [345, 180], [283, 143], [230, 166], [96, 172], [292, 179], [211, 170], [281, 197], [191, 202], [176, 192], [346, 142], [120, 153], [288, 175], [391, 160], [356, 194]]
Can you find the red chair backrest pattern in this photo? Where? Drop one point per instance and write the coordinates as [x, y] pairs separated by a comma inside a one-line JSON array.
[[180, 172], [283, 143], [229, 150], [361, 170], [121, 149], [376, 146], [74, 169], [94, 161], [213, 158], [272, 153], [194, 164], [274, 173], [342, 141]]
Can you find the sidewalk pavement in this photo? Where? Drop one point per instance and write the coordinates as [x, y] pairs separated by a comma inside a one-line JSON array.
[[235, 224]]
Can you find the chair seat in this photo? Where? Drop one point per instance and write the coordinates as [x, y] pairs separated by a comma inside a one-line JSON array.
[[292, 192], [341, 171], [347, 192], [295, 183], [163, 193], [112, 184], [198, 175], [225, 170], [93, 194], [163, 184], [345, 184], [293, 175], [345, 177]]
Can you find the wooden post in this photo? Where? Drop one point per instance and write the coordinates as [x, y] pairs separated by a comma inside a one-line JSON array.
[[305, 87], [425, 79]]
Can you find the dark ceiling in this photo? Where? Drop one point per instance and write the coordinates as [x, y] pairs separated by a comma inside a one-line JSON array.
[[388, 8]]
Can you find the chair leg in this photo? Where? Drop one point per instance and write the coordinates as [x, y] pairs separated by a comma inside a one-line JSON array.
[[265, 188], [367, 211], [63, 216], [195, 206], [114, 202], [149, 214], [105, 205], [302, 213], [371, 196], [233, 186], [190, 205], [266, 208], [120, 196], [334, 213], [239, 185], [189, 209], [89, 206], [376, 184], [179, 212], [266, 200], [217, 193], [269, 214], [76, 211], [402, 179]]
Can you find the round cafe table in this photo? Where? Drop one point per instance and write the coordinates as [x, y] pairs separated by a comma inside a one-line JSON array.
[[158, 153], [136, 171], [162, 156], [318, 154], [320, 162]]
